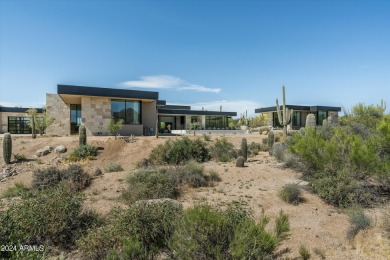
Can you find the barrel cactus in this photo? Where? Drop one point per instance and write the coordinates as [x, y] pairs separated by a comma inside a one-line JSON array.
[[310, 120], [240, 161], [82, 135], [7, 148], [271, 141], [244, 148]]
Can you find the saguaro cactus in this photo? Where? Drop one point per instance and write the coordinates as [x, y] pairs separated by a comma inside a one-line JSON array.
[[285, 118], [271, 140], [82, 135], [7, 148], [244, 148], [310, 120]]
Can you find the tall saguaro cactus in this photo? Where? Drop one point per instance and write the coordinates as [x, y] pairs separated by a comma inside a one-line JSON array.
[[284, 119], [7, 148], [244, 148]]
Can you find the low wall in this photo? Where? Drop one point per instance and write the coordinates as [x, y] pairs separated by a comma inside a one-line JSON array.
[[220, 132]]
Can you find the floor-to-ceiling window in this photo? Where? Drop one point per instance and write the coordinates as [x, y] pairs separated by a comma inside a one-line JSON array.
[[276, 120], [19, 125], [128, 110], [321, 115], [216, 122], [296, 120], [75, 118]]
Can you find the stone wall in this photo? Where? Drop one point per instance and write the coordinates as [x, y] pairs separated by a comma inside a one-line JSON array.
[[4, 119], [149, 116], [96, 114], [60, 111]]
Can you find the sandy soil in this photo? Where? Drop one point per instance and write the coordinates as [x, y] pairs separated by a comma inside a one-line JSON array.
[[313, 222]]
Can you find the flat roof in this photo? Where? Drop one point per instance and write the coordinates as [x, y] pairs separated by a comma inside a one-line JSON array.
[[298, 107], [195, 112], [18, 109], [106, 92], [176, 107]]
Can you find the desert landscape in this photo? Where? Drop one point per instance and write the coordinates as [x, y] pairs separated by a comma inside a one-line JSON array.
[[320, 227]]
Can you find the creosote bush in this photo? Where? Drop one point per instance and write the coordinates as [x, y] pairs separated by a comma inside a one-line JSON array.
[[358, 219], [179, 151], [51, 217], [208, 233], [147, 224], [18, 189], [223, 150], [74, 177], [291, 193], [83, 152], [113, 167]]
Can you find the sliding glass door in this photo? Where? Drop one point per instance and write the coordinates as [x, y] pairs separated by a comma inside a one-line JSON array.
[[75, 118]]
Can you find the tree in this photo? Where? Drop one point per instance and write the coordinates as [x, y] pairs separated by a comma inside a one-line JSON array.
[[114, 126], [194, 126], [43, 121], [32, 113]]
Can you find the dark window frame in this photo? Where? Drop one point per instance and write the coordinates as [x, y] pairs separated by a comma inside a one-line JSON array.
[[20, 125], [125, 111]]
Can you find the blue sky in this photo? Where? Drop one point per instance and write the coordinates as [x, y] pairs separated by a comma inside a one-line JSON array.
[[205, 53]]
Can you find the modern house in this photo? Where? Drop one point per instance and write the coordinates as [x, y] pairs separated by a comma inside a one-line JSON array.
[[15, 120], [300, 113], [94, 107]]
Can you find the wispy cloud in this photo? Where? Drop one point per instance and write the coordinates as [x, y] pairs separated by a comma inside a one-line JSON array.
[[27, 104], [239, 106], [167, 82]]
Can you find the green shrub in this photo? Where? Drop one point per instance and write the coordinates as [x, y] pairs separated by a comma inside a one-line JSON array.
[[74, 176], [223, 150], [18, 189], [141, 230], [192, 174], [113, 167], [20, 157], [51, 217], [291, 193], [208, 233], [358, 220], [279, 150], [304, 252], [206, 137], [180, 151], [83, 152], [253, 149], [214, 176], [151, 184]]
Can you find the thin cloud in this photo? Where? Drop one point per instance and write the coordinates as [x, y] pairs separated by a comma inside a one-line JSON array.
[[167, 82], [239, 106], [26, 105]]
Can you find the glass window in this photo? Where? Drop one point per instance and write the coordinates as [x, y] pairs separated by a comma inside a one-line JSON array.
[[216, 122], [75, 118], [129, 111], [321, 115], [296, 118], [18, 125], [276, 119]]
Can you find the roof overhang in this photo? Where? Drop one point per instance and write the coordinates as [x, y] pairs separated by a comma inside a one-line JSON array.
[[194, 112], [105, 92], [299, 108], [18, 109]]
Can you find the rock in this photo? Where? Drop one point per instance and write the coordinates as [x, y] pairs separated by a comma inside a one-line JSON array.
[[240, 161], [264, 132], [98, 172], [44, 151], [61, 149]]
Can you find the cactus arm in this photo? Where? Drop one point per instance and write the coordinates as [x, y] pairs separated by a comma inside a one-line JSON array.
[[279, 114], [284, 106]]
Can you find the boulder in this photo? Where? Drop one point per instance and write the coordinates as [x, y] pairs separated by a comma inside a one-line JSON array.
[[61, 149], [43, 151]]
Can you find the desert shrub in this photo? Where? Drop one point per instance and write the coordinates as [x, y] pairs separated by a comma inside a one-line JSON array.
[[264, 147], [319, 252], [113, 167], [291, 160], [385, 225], [223, 150], [253, 149], [144, 163], [208, 233], [143, 229], [279, 150], [291, 193], [83, 152], [98, 172], [18, 189], [51, 217], [358, 220], [206, 137], [20, 157], [192, 174], [45, 178], [304, 252], [74, 176], [180, 151], [131, 249], [214, 176], [151, 184]]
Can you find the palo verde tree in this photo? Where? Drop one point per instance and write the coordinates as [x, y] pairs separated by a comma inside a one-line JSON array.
[[43, 121], [285, 118], [114, 126], [33, 114]]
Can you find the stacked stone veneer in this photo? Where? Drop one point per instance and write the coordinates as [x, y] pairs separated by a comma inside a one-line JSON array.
[[96, 114], [60, 111]]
